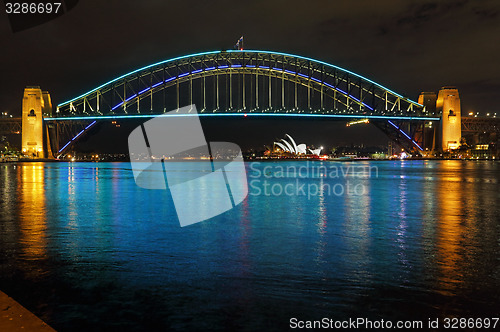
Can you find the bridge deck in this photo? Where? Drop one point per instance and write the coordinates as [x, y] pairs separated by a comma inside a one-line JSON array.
[[244, 114]]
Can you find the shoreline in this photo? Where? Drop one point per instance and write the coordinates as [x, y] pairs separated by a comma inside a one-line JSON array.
[[15, 317], [245, 160]]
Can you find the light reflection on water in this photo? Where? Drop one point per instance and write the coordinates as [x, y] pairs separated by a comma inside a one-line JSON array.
[[86, 249], [32, 212]]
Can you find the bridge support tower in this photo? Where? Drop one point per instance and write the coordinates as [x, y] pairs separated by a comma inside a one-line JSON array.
[[448, 135], [35, 139], [448, 105]]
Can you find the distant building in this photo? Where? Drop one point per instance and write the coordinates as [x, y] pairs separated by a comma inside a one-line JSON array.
[[292, 148]]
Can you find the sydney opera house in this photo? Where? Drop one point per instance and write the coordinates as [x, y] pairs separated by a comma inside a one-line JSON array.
[[290, 147]]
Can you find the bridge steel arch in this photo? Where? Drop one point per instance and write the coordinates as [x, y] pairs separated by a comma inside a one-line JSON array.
[[250, 82], [352, 93]]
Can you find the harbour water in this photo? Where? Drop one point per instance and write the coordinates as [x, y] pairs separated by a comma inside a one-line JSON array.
[[84, 248]]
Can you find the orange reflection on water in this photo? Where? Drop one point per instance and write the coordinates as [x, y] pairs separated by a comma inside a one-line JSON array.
[[450, 230], [32, 211]]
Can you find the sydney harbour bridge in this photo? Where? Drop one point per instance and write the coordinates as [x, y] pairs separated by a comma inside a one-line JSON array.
[[245, 83]]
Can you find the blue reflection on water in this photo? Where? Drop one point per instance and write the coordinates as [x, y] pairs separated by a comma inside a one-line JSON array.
[[85, 248]]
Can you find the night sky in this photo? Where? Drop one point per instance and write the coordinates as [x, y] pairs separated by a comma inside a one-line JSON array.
[[408, 46]]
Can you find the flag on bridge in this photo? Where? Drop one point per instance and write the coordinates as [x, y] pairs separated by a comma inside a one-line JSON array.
[[239, 44]]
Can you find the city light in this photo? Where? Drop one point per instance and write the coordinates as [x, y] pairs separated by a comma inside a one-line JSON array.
[[355, 122]]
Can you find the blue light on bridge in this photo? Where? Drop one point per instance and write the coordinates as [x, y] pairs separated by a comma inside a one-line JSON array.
[[407, 136], [142, 116], [90, 125], [132, 96], [339, 90], [344, 116], [239, 66], [141, 92], [240, 51], [310, 77], [64, 147], [77, 135]]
